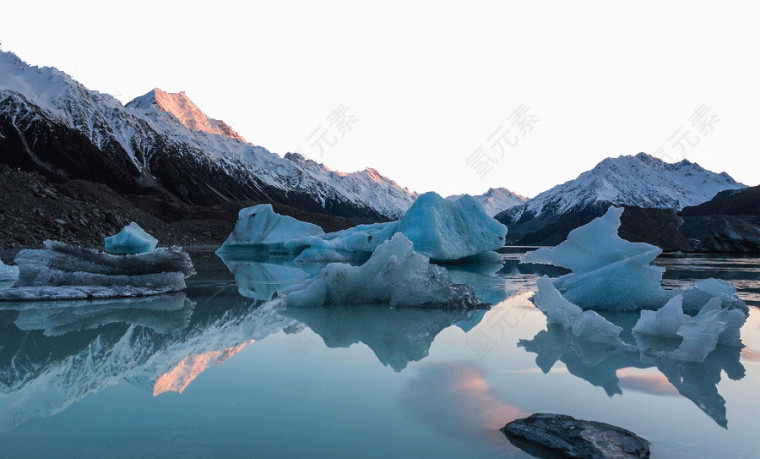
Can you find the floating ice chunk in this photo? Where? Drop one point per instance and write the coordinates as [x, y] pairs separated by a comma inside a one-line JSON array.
[[593, 246], [353, 244], [694, 297], [8, 273], [585, 325], [130, 240], [663, 322], [557, 309], [446, 231], [260, 226], [395, 274], [609, 273], [64, 272], [699, 335]]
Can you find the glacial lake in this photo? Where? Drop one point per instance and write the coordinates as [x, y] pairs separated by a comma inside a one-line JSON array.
[[218, 371]]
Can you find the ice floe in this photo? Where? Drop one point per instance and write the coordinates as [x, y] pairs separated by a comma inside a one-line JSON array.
[[692, 339], [261, 227], [698, 335], [446, 231], [612, 274], [585, 325], [130, 240], [8, 273], [441, 230], [65, 272], [395, 274]]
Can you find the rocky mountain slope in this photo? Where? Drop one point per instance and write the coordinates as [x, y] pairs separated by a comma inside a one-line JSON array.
[[52, 124]]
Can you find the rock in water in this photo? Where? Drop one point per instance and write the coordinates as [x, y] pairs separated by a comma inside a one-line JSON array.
[[575, 438], [130, 240], [261, 226]]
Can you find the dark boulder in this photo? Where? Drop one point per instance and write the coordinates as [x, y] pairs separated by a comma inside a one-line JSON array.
[[557, 435]]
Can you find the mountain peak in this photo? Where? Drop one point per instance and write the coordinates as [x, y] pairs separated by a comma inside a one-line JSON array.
[[182, 108]]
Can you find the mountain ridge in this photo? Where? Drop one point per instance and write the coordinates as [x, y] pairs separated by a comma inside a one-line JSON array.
[[637, 181], [153, 147]]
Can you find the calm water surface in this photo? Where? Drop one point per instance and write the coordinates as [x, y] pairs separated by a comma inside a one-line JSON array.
[[218, 371]]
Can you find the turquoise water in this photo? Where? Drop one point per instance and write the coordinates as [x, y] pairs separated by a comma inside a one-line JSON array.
[[213, 372]]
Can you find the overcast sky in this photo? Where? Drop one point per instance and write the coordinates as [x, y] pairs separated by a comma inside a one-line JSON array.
[[438, 96]]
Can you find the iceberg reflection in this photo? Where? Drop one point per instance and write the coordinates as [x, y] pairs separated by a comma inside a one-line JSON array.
[[163, 314], [396, 336], [612, 368]]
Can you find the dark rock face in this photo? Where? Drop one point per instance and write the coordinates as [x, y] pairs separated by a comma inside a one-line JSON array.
[[33, 141], [549, 228], [34, 208], [723, 233], [550, 435], [730, 222], [730, 202], [659, 227]]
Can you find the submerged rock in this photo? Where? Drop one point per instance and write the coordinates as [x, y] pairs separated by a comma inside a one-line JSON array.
[[576, 438]]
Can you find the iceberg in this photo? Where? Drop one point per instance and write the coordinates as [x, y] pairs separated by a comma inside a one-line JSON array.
[[612, 274], [701, 292], [608, 272], [130, 240], [698, 335], [8, 273], [439, 229], [443, 230], [260, 227], [353, 244], [65, 272], [584, 325], [395, 274]]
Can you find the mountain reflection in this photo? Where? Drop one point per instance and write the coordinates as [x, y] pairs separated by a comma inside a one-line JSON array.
[[53, 355], [178, 378], [614, 368]]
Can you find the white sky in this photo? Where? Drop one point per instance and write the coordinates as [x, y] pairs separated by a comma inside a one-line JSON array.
[[429, 82]]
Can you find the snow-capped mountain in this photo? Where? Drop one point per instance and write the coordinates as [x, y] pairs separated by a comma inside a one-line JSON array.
[[51, 123], [179, 105], [640, 181], [495, 200]]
